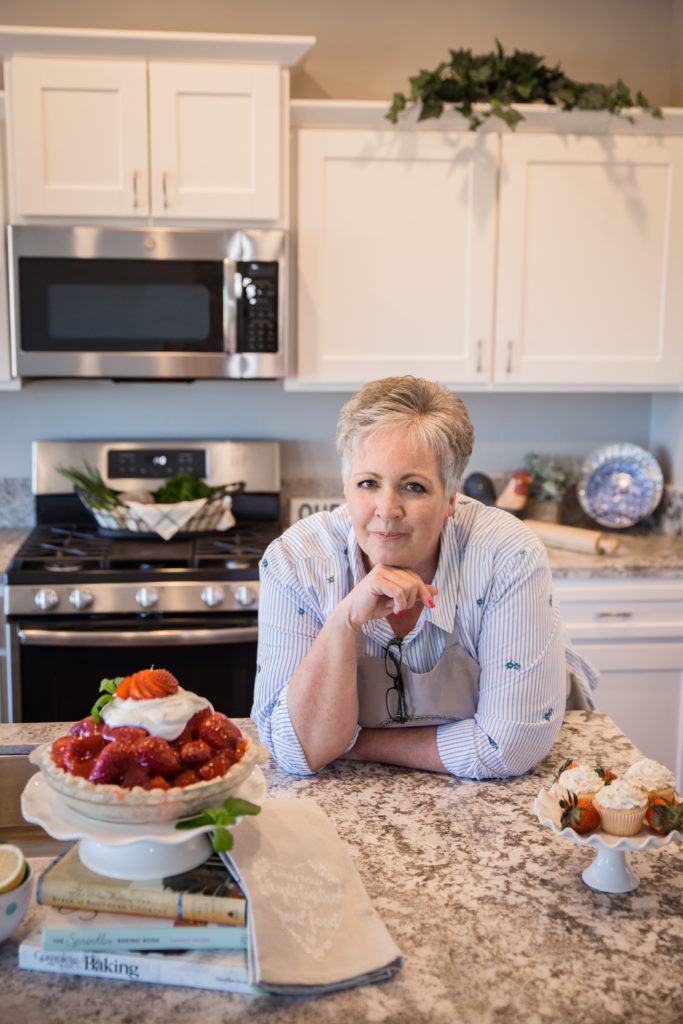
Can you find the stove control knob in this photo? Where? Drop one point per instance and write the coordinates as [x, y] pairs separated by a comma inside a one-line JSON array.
[[245, 596], [147, 597], [46, 599], [80, 599], [212, 596]]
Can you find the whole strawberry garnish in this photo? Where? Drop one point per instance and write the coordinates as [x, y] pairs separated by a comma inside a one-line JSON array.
[[579, 814], [605, 774], [664, 816], [563, 768]]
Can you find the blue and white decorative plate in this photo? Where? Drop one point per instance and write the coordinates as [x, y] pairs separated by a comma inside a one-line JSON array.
[[619, 485]]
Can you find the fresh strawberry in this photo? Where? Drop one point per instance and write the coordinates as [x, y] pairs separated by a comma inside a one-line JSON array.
[[605, 774], [664, 816], [198, 717], [133, 733], [135, 775], [219, 731], [187, 778], [58, 751], [113, 763], [82, 748], [156, 755], [218, 765], [195, 752], [563, 768], [159, 782], [86, 727], [147, 684], [579, 814]]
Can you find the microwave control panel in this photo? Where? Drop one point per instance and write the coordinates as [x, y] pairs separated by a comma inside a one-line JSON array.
[[258, 307]]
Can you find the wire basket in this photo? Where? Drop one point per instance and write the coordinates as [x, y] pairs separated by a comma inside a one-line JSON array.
[[206, 515]]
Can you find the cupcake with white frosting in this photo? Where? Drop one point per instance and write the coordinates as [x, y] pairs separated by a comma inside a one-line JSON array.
[[581, 780], [656, 779], [622, 807]]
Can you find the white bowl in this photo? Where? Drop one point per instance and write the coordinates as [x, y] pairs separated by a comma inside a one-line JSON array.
[[14, 904]]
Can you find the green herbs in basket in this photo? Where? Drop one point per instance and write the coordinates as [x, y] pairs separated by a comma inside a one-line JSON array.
[[182, 487], [91, 484]]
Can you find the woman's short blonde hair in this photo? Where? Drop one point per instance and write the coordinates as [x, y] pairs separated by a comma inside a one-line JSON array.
[[429, 414]]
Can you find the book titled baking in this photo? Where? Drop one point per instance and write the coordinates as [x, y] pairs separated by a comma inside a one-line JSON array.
[[205, 893]]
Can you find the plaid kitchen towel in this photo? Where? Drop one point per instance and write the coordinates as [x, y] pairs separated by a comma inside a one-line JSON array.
[[311, 926]]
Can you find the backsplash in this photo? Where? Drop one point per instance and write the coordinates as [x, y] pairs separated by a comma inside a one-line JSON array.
[[16, 502]]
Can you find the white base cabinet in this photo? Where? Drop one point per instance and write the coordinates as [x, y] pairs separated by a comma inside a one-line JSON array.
[[632, 631]]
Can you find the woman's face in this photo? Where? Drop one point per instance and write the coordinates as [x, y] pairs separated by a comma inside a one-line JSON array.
[[397, 503]]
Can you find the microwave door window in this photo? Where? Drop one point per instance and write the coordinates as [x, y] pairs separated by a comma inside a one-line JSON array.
[[121, 306]]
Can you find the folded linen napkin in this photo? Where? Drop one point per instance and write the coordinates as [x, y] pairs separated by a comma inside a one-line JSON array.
[[167, 520], [311, 926]]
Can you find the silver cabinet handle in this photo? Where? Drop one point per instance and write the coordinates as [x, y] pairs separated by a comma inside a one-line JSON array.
[[232, 291], [141, 638], [614, 615], [480, 355], [136, 176], [508, 368], [164, 188]]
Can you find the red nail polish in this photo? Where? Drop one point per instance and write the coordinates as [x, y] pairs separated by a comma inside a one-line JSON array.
[[431, 604], [401, 613]]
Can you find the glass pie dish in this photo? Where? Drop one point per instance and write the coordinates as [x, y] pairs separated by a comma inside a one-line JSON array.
[[137, 806]]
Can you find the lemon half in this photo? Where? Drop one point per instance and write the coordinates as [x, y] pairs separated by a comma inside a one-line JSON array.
[[12, 867]]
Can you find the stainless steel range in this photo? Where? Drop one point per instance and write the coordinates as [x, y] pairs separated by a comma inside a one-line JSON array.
[[83, 604]]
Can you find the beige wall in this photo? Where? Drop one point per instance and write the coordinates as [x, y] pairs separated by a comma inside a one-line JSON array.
[[367, 49]]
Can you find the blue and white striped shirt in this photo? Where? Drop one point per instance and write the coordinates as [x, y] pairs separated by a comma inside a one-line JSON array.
[[493, 570]]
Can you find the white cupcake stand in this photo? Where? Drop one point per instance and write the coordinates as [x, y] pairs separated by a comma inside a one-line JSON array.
[[609, 872]]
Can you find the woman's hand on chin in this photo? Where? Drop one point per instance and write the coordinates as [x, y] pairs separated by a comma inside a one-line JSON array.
[[386, 590]]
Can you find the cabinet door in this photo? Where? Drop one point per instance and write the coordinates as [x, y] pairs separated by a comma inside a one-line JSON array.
[[641, 689], [590, 263], [215, 141], [79, 130], [396, 236]]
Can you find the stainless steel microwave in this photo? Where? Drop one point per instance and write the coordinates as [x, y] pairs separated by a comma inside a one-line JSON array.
[[147, 303]]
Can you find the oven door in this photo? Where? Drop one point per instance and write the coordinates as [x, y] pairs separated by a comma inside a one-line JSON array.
[[55, 669]]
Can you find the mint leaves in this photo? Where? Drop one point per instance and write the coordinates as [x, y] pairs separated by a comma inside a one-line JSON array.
[[107, 689], [221, 816]]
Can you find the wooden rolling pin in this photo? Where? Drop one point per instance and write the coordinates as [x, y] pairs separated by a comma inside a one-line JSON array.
[[572, 538]]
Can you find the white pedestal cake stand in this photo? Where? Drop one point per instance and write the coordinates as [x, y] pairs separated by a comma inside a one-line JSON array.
[[127, 851], [609, 872]]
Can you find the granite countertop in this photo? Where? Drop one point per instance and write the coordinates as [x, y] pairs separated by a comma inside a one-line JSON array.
[[487, 906], [641, 556]]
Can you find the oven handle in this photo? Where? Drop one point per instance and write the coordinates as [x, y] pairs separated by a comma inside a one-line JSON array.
[[141, 638]]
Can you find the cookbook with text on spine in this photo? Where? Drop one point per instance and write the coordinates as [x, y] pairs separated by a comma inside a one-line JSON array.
[[205, 893]]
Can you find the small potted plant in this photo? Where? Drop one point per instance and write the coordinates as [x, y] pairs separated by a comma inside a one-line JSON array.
[[547, 488]]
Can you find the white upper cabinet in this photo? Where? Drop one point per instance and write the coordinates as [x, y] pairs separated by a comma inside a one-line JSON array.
[[215, 141], [83, 147], [590, 260], [79, 138], [396, 254], [548, 258]]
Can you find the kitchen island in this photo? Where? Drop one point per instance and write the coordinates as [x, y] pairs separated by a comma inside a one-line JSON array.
[[487, 906]]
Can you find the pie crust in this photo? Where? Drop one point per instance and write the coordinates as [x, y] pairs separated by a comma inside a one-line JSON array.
[[138, 806]]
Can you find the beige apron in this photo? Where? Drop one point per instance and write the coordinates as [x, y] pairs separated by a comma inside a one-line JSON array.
[[447, 693], [450, 691]]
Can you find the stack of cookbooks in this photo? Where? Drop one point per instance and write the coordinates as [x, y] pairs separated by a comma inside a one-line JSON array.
[[187, 929]]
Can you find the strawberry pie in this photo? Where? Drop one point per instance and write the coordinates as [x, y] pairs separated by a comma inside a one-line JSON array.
[[150, 751]]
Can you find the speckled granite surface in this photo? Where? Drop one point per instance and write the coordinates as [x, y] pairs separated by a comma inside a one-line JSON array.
[[487, 906]]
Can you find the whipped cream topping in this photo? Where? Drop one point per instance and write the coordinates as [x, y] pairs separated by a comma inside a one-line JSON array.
[[161, 716], [580, 779], [650, 775], [621, 795]]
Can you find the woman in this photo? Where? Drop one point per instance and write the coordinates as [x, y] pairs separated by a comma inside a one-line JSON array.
[[410, 626]]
